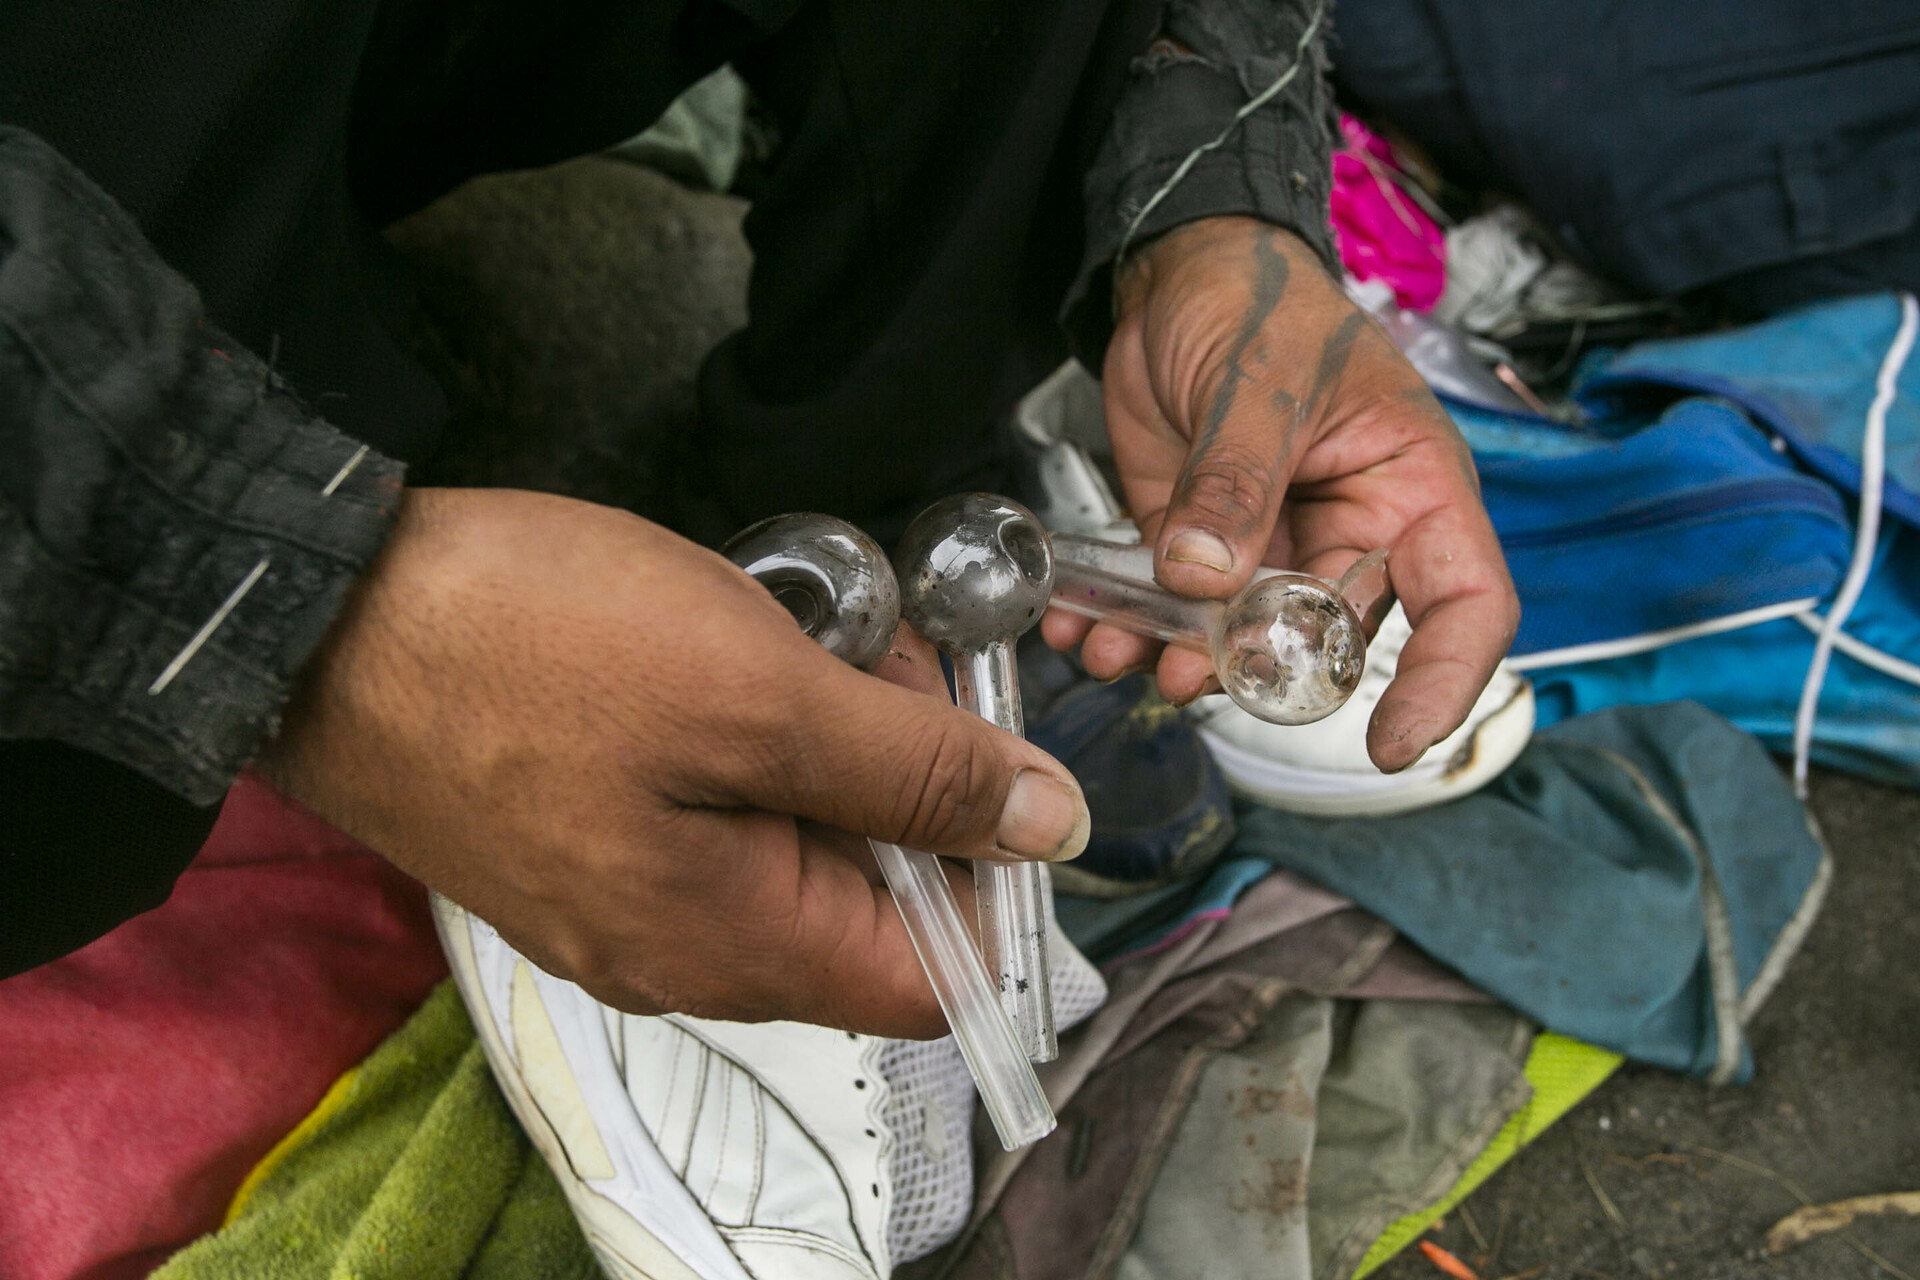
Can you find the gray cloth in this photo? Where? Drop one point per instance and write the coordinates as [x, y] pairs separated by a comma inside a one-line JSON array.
[[1331, 1121], [1141, 1083], [1413, 1093]]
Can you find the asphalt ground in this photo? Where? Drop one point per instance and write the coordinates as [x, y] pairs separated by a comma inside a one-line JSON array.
[[1658, 1175]]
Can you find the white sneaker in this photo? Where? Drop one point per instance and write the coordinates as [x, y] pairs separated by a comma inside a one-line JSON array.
[[692, 1149], [1323, 768]]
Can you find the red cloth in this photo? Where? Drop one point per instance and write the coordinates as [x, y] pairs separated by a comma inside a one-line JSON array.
[[142, 1076]]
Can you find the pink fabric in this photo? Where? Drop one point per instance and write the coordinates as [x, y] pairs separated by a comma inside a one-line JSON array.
[[1382, 234], [142, 1076]]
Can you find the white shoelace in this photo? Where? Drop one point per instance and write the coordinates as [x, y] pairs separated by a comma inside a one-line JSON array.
[[1873, 479], [1827, 628]]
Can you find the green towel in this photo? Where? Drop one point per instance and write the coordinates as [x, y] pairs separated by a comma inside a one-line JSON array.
[[412, 1168]]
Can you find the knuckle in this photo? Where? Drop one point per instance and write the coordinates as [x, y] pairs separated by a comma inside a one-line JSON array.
[[1232, 483], [943, 805], [1509, 619]]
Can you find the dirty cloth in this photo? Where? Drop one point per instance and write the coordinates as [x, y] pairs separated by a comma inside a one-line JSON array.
[[1409, 1094], [1142, 1084], [1638, 879], [412, 1168], [143, 1075]]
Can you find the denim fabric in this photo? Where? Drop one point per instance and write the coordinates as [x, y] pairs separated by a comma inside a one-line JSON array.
[[1577, 887]]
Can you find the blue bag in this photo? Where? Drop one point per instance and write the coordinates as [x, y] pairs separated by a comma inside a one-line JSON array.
[[1682, 541]]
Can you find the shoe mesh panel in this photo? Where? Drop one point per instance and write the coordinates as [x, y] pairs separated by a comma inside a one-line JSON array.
[[929, 1112]]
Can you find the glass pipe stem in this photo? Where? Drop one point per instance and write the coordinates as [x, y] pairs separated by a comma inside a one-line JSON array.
[[1013, 907], [840, 589], [1133, 604], [1288, 648], [994, 1054]]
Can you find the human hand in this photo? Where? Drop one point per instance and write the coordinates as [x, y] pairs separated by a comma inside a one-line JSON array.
[[617, 749], [1240, 374]]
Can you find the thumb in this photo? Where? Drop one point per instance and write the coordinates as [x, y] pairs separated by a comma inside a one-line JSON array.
[[897, 765]]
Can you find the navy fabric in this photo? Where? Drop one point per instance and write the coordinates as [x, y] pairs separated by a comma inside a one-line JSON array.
[[1769, 149], [1563, 889]]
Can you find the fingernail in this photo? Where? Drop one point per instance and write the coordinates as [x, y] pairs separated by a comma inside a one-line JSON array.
[[1411, 762], [1418, 756], [1044, 818], [1197, 546]]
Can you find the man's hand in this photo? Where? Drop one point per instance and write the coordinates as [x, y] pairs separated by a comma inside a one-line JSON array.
[[617, 749], [1240, 374]]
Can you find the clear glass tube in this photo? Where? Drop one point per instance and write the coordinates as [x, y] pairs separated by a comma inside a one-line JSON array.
[[838, 586], [995, 1056], [1288, 648], [1013, 905], [975, 572]]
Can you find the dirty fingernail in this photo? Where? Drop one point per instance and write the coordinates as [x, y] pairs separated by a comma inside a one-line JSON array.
[[1411, 761], [1197, 546], [1044, 818]]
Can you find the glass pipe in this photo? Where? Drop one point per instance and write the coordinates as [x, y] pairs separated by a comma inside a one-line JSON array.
[[838, 586], [975, 572], [1288, 648]]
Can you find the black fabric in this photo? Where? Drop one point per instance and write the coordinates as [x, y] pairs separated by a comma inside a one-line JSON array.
[[953, 178], [87, 844], [1212, 56], [151, 466], [1766, 148], [923, 225], [911, 251], [220, 127]]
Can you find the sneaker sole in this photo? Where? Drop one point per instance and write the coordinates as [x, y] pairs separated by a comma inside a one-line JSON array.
[[1493, 745]]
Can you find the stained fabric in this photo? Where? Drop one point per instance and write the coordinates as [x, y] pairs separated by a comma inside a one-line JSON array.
[[1331, 1120], [1230, 1025], [1637, 879]]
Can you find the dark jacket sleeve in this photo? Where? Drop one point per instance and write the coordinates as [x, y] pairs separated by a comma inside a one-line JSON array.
[[1179, 146], [158, 486]]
